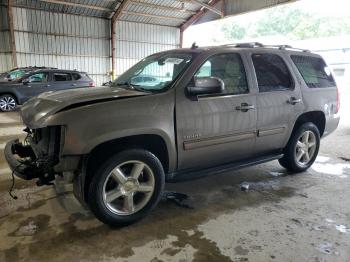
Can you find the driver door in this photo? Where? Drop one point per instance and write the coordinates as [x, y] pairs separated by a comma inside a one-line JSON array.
[[214, 129], [34, 85]]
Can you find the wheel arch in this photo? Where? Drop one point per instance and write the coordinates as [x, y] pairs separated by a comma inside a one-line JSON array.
[[318, 118], [11, 94], [153, 143]]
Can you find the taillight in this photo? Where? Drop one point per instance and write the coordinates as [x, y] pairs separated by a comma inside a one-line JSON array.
[[92, 84], [338, 101]]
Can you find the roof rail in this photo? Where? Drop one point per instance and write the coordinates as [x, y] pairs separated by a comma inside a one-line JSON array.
[[257, 44], [284, 47], [246, 45]]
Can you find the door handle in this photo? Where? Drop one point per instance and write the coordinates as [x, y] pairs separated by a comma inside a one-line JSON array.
[[74, 84], [294, 101], [48, 85], [245, 107]]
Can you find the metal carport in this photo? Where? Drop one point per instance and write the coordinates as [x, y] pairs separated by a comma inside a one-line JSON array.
[[102, 36]]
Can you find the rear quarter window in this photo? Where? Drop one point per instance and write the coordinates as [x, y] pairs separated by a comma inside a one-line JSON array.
[[76, 76], [314, 71]]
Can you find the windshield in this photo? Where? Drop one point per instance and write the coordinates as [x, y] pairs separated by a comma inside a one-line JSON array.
[[154, 73]]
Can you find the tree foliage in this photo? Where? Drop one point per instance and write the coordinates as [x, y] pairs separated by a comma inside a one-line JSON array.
[[287, 21]]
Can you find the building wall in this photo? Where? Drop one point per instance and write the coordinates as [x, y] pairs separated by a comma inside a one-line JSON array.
[[5, 47], [63, 41], [83, 43], [135, 41]]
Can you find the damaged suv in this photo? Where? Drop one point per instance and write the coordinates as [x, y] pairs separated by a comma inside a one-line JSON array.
[[209, 110]]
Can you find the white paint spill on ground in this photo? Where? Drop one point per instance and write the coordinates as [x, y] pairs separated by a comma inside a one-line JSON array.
[[342, 229], [326, 165], [322, 159], [276, 173], [335, 169]]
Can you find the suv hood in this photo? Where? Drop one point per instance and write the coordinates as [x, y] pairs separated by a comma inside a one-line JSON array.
[[38, 109]]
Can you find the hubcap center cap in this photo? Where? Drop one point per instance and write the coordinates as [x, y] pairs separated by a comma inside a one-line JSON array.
[[130, 186]]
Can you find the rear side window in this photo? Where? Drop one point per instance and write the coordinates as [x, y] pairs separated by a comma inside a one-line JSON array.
[[314, 70], [62, 77], [271, 72], [76, 76]]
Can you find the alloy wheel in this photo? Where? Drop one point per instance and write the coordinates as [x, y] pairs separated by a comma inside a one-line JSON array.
[[305, 148], [128, 187], [7, 103]]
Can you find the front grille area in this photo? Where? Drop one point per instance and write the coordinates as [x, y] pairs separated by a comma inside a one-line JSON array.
[[46, 143]]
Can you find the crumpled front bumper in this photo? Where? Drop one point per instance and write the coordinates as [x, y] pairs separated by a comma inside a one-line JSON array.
[[19, 158]]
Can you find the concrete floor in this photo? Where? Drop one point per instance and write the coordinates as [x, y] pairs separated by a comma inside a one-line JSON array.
[[303, 217]]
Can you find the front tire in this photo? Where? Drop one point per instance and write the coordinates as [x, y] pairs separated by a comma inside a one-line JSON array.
[[126, 187], [7, 103], [302, 148]]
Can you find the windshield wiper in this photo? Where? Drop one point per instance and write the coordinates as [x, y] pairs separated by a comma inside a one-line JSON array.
[[132, 87]]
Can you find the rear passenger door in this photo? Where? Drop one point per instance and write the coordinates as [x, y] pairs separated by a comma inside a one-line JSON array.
[[62, 81], [278, 100]]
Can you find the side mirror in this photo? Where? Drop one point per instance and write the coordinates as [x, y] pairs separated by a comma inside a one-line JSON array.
[[25, 82], [206, 86]]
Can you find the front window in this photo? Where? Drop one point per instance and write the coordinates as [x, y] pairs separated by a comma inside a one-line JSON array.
[[230, 69], [155, 73], [16, 74], [38, 78]]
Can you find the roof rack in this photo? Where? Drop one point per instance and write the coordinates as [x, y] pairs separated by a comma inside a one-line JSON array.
[[246, 45], [257, 44], [284, 47]]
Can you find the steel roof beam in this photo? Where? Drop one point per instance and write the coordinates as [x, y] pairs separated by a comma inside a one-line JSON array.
[[198, 15], [163, 7], [119, 10], [209, 7], [77, 5], [154, 16]]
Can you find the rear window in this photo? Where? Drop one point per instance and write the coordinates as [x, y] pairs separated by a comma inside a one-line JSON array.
[[271, 72], [62, 77], [314, 70]]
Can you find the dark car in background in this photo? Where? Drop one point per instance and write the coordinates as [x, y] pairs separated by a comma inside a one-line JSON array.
[[19, 72], [18, 91]]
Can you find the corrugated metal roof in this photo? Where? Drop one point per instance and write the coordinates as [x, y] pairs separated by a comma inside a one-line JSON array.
[[160, 12]]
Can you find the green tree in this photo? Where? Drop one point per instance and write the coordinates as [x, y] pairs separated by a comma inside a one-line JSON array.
[[288, 21]]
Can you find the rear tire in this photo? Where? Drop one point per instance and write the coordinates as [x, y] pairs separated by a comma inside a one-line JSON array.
[[126, 187], [302, 148], [7, 103]]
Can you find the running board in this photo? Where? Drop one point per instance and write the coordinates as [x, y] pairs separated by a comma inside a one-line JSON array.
[[195, 174]]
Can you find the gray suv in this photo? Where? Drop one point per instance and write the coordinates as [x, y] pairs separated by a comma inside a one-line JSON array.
[[35, 82], [210, 110]]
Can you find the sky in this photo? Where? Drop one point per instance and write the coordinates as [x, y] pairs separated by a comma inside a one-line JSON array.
[[199, 33]]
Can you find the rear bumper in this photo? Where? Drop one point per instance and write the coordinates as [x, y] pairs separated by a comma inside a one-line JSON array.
[[332, 123], [18, 157]]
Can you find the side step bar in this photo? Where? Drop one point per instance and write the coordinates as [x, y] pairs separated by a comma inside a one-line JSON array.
[[195, 174]]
